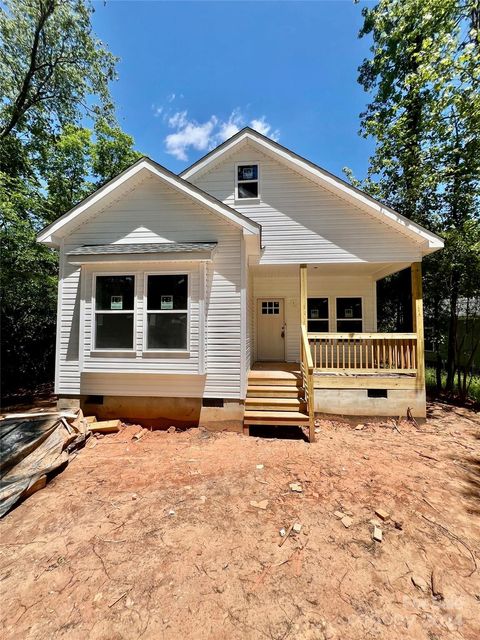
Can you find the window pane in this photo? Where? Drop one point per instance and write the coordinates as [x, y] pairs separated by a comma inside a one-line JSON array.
[[114, 330], [318, 326], [317, 308], [350, 326], [115, 292], [167, 292], [248, 190], [349, 308], [248, 172], [167, 331]]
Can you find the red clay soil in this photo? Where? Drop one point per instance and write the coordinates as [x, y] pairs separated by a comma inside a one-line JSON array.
[[157, 538]]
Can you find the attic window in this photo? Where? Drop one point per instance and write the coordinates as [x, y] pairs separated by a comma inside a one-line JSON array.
[[247, 182]]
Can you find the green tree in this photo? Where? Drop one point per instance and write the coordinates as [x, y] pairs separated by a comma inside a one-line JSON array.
[[424, 78], [54, 77], [51, 66]]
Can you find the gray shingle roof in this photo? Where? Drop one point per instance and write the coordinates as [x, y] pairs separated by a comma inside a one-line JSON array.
[[149, 247]]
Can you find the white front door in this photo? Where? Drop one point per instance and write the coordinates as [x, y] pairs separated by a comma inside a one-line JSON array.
[[270, 330]]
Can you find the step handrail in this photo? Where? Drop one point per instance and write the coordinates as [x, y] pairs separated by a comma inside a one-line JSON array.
[[307, 374]]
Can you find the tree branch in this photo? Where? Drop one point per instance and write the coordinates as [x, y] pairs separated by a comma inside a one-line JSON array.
[[19, 106]]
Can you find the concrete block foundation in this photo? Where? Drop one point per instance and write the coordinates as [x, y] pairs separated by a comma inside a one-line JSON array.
[[160, 412], [356, 402]]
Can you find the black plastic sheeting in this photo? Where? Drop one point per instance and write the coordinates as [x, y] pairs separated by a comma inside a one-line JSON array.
[[31, 448]]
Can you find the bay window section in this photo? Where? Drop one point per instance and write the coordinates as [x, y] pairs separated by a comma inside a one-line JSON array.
[[167, 312], [114, 312]]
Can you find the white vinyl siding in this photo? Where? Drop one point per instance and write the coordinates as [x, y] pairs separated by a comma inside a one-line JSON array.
[[153, 212], [302, 221], [319, 286]]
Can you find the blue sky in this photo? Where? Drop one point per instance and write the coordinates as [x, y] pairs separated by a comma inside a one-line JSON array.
[[191, 73]]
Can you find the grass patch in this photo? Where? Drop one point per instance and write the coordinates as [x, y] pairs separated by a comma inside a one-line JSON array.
[[430, 381]]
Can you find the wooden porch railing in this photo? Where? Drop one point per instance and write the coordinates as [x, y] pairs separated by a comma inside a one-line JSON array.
[[364, 352], [307, 374]]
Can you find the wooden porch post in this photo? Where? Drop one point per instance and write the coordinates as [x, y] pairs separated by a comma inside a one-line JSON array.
[[303, 294], [417, 310], [306, 356]]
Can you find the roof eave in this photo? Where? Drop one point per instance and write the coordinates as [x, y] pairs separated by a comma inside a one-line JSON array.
[[355, 195], [52, 233]]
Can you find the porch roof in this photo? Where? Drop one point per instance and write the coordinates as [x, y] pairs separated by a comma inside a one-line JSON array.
[[143, 251]]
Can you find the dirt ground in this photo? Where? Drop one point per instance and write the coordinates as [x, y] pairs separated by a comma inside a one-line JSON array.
[[157, 538]]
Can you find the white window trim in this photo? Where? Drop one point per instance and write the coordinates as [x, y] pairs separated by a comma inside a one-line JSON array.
[[181, 272], [93, 347], [349, 319], [242, 164], [327, 319]]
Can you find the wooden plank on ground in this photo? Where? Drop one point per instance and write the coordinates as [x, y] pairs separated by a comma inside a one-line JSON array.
[[107, 426]]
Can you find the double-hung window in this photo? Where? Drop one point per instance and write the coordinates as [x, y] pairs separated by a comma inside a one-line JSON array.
[[167, 312], [349, 315], [247, 180], [114, 312], [317, 315]]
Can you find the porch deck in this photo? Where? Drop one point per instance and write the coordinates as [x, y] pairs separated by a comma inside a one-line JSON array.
[[278, 368]]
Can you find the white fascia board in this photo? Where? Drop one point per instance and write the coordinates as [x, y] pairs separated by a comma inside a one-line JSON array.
[[47, 235], [329, 181], [208, 201], [51, 234]]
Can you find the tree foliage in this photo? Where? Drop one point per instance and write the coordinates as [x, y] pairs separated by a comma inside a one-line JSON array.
[[423, 76], [54, 78], [51, 66]]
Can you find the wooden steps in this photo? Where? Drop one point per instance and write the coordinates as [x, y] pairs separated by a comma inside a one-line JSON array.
[[272, 391], [275, 397], [275, 378], [273, 404], [276, 418]]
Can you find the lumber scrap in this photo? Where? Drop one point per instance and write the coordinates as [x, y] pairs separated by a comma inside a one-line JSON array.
[[106, 426]]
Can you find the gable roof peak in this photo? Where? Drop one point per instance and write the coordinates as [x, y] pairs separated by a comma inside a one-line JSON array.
[[76, 215], [329, 181]]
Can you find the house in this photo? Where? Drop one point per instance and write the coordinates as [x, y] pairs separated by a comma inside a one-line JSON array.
[[240, 292]]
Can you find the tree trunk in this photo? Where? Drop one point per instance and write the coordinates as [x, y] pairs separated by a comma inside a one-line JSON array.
[[452, 331]]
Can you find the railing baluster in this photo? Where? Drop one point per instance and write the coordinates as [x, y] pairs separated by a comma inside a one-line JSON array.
[[363, 352]]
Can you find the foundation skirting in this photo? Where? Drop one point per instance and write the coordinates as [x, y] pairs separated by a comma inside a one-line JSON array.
[[161, 412]]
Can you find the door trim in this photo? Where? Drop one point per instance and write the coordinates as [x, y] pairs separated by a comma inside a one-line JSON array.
[[257, 300]]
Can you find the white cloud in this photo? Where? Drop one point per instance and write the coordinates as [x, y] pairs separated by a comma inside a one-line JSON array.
[[230, 127], [202, 136], [178, 120], [263, 127], [190, 134]]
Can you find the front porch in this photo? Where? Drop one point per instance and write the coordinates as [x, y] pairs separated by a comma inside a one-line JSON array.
[[352, 373]]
